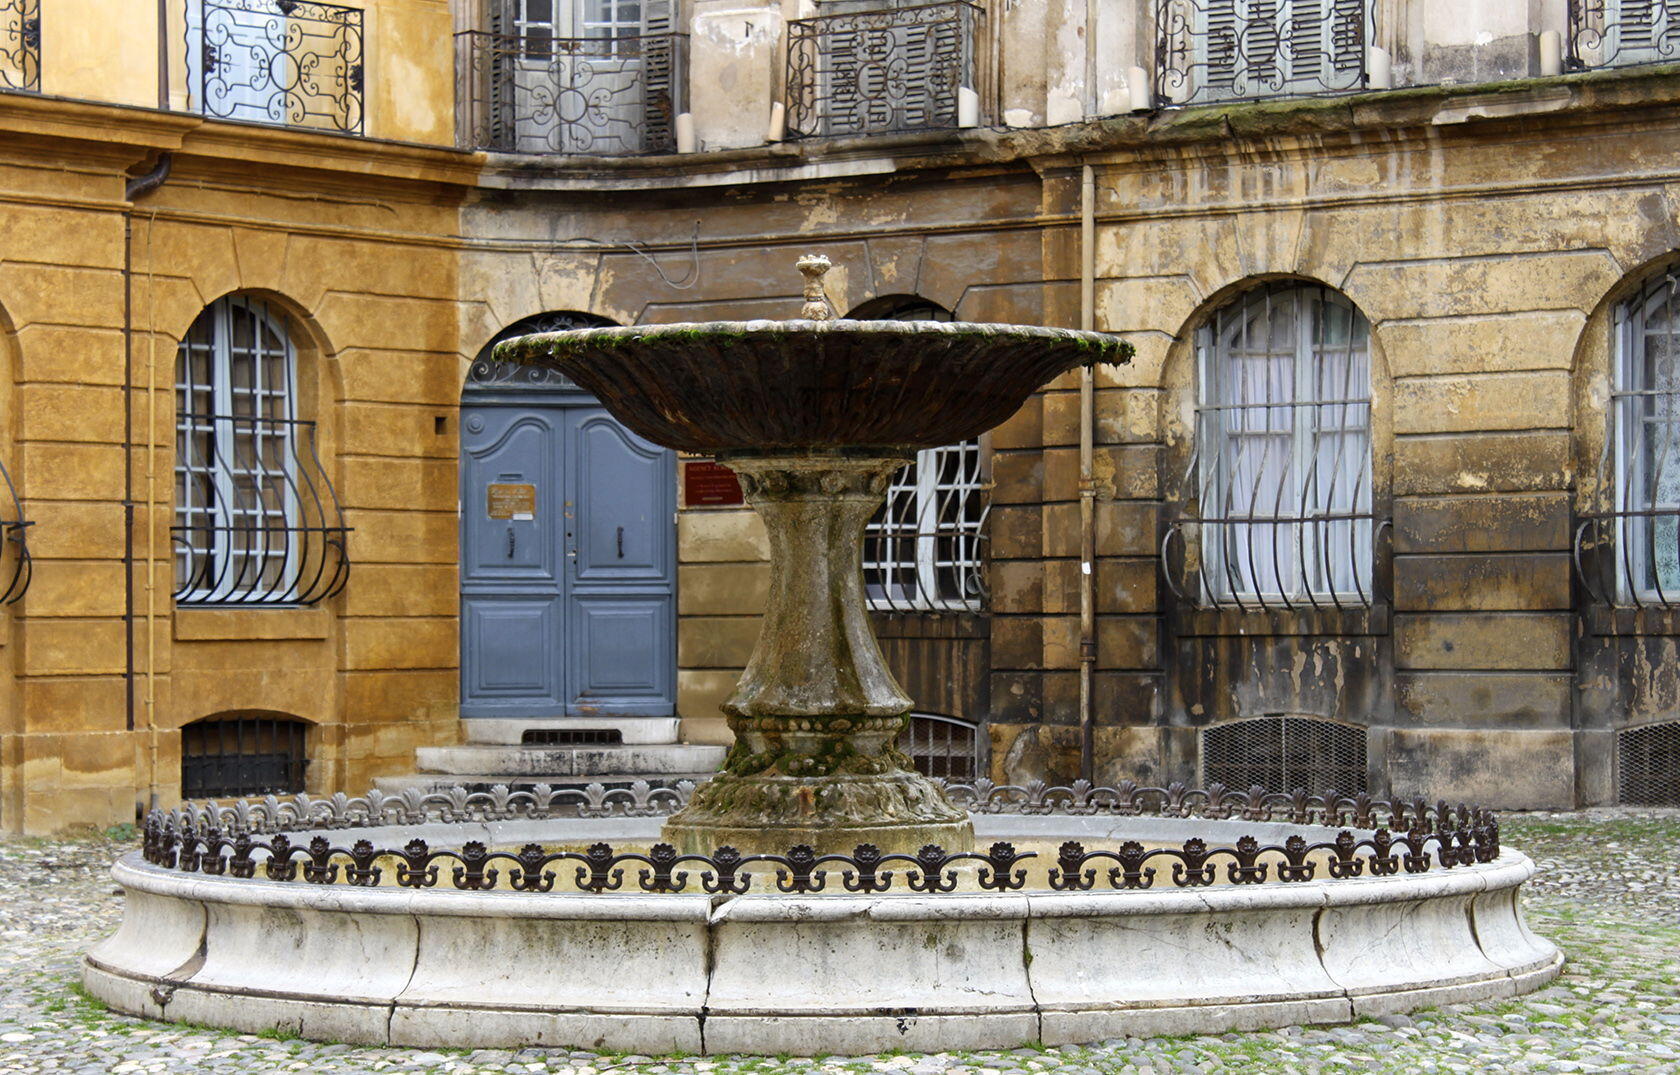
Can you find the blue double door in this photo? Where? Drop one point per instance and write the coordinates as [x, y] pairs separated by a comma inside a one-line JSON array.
[[568, 541]]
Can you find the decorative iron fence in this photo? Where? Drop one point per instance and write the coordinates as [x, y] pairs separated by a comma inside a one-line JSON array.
[[878, 71], [288, 62], [16, 566], [1227, 50], [262, 523], [20, 45], [1618, 33], [605, 96], [1409, 837]]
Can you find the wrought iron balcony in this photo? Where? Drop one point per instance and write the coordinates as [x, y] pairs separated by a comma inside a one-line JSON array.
[[16, 567], [878, 71], [262, 527], [20, 45], [276, 61], [602, 96], [1620, 33], [1214, 50]]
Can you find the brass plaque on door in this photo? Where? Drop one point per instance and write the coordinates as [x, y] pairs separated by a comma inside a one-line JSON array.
[[513, 502]]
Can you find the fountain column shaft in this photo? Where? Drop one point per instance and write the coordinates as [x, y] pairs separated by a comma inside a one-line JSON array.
[[816, 714]]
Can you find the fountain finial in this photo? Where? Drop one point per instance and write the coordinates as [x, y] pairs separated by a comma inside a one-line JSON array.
[[816, 306]]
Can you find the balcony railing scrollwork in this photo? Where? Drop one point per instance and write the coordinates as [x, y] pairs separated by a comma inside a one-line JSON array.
[[288, 62], [1227, 50], [879, 71], [20, 45], [602, 96], [264, 528], [16, 567], [1618, 33]]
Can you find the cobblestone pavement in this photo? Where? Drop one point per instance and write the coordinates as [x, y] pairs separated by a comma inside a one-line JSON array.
[[1608, 893]]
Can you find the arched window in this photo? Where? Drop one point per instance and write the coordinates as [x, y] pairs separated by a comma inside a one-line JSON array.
[[1282, 501], [1639, 542], [923, 549], [256, 521]]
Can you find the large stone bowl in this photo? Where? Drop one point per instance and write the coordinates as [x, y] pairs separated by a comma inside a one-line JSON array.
[[815, 417]]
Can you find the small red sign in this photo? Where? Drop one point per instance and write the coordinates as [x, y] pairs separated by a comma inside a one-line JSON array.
[[710, 485]]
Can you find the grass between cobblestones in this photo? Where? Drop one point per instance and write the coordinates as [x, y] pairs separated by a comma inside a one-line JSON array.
[[1608, 893]]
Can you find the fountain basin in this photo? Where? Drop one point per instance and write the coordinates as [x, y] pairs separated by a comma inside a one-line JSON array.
[[809, 974]]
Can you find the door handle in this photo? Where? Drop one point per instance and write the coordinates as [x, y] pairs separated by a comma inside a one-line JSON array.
[[510, 543], [621, 543]]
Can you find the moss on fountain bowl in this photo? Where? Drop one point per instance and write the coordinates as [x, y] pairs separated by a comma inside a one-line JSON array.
[[790, 386]]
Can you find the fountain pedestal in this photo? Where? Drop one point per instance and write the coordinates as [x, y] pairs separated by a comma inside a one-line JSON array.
[[816, 714]]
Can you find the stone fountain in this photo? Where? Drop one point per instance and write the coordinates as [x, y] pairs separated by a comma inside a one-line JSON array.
[[815, 415]]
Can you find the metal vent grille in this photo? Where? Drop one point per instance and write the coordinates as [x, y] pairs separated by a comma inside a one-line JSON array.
[[1648, 760], [584, 737], [1285, 753], [942, 747], [223, 757]]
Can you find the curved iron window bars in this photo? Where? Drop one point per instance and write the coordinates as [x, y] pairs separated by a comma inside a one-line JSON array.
[[924, 550], [1277, 509], [1228, 50], [296, 63], [1627, 546], [1619, 33], [16, 566], [880, 67], [257, 522], [20, 45]]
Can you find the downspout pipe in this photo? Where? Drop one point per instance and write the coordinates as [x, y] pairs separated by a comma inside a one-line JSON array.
[[136, 188], [1087, 478]]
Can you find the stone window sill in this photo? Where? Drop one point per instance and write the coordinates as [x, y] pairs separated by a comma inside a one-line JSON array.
[[251, 624], [1211, 622]]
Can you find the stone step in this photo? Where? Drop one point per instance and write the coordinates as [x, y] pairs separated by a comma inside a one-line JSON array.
[[475, 782], [593, 761], [631, 731]]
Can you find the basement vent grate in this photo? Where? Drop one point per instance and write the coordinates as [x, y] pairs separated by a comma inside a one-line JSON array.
[[1648, 764], [235, 757], [942, 747], [567, 737], [1285, 753]]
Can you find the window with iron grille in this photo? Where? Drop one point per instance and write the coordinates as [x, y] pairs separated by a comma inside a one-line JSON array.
[[1614, 33], [1285, 753], [238, 755], [20, 45], [256, 520], [1648, 765], [1628, 545], [923, 551], [942, 747], [1278, 498], [296, 63], [1222, 50], [601, 77]]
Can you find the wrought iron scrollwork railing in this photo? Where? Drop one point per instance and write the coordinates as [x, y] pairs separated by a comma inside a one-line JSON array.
[[1617, 33], [292, 62], [882, 70], [20, 45], [1411, 837], [1216, 50], [16, 567], [259, 530], [605, 96]]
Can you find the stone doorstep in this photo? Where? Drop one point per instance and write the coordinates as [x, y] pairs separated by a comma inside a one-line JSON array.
[[594, 761], [503, 731], [396, 785]]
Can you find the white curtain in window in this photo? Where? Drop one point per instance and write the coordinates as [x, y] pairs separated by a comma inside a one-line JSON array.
[[1284, 449], [1647, 424]]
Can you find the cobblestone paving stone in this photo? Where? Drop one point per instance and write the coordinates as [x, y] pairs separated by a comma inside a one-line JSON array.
[[1608, 893]]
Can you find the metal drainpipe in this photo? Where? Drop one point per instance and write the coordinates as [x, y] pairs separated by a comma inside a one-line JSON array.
[[1087, 477], [136, 188]]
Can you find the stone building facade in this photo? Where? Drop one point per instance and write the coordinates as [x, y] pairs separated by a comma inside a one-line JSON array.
[[1382, 501]]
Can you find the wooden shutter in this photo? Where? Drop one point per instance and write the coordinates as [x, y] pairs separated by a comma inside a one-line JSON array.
[[501, 52], [661, 75], [1222, 45]]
